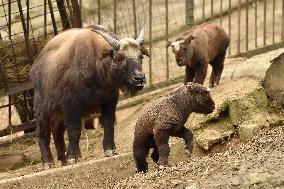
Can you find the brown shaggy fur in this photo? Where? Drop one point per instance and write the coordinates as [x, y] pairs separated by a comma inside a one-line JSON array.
[[166, 117], [78, 73], [199, 46]]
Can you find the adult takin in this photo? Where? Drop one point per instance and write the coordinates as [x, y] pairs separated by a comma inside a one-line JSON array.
[[166, 117], [199, 46], [78, 72]]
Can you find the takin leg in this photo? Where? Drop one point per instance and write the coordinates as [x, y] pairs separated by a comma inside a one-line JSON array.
[[187, 136], [161, 137], [72, 120], [189, 74], [58, 137], [44, 135], [217, 69], [201, 71], [108, 121], [141, 149], [155, 154]]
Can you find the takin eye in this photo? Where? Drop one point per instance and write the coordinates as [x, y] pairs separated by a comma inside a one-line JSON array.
[[120, 58]]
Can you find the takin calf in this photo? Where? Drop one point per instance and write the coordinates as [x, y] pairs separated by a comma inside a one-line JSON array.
[[79, 72], [166, 117], [199, 46]]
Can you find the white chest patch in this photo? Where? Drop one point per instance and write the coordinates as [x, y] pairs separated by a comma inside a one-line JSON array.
[[176, 44]]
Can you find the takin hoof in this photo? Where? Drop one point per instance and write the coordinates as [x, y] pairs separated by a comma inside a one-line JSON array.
[[110, 153], [188, 152], [162, 167], [48, 165], [71, 161]]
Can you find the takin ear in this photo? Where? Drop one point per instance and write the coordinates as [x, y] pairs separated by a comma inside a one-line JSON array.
[[105, 53], [168, 43], [145, 51], [190, 38]]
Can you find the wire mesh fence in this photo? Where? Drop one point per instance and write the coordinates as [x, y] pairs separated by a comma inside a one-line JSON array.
[[251, 24]]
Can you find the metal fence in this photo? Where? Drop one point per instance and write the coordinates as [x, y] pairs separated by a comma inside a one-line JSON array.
[[251, 25]]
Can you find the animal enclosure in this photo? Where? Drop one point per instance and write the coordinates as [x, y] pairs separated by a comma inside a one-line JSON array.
[[25, 26]]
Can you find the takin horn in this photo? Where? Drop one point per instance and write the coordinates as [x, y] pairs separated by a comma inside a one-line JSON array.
[[140, 39], [111, 41]]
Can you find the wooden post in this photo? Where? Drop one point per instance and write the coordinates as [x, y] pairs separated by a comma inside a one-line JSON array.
[[264, 23], [230, 12], [114, 16], [255, 25], [45, 19], [99, 11], [134, 19], [9, 19], [150, 42], [221, 12], [247, 24], [212, 9], [203, 10], [63, 14], [167, 38], [25, 32], [52, 17], [273, 21], [77, 13], [239, 28], [189, 12]]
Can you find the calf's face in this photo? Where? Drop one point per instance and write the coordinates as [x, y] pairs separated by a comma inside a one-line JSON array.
[[201, 99], [182, 50]]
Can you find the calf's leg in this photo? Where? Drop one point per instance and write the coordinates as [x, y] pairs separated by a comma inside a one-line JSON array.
[[161, 137], [140, 153], [187, 136]]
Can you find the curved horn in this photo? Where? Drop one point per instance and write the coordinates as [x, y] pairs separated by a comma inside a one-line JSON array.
[[111, 41], [140, 39]]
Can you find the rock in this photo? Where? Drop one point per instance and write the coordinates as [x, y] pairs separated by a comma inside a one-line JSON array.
[[255, 178], [192, 186], [208, 137], [247, 131], [274, 79], [11, 161]]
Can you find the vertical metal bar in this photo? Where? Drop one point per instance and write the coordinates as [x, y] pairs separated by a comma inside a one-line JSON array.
[[3, 75], [150, 42], [77, 14], [264, 22], [203, 10], [135, 19], [45, 19], [167, 38], [212, 7], [239, 28], [52, 17], [273, 22], [255, 24], [221, 11], [282, 32], [9, 18], [230, 12], [28, 17], [9, 111], [25, 31], [99, 11], [247, 24], [114, 16]]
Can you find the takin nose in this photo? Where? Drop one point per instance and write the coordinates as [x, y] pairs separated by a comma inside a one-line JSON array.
[[140, 78]]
